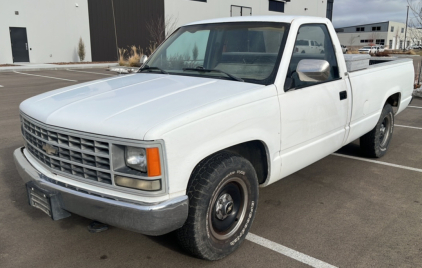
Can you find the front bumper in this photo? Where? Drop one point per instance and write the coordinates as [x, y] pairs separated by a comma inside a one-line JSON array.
[[150, 219]]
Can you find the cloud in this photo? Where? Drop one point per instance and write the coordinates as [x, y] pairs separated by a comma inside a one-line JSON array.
[[355, 12]]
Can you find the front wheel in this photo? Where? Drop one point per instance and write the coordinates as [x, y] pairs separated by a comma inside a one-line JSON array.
[[375, 143], [223, 196]]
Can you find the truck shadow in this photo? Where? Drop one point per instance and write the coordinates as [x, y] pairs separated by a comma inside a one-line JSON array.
[[351, 149]]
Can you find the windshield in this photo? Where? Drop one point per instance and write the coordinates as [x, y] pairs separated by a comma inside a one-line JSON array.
[[250, 51], [366, 48]]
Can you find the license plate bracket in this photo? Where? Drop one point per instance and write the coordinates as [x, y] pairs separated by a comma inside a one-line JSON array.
[[46, 200]]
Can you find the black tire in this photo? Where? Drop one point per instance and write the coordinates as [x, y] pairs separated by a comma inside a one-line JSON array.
[[375, 143], [217, 226]]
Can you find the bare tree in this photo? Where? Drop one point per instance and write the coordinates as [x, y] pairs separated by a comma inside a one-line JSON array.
[[160, 28], [416, 9], [397, 36], [415, 22], [414, 33]]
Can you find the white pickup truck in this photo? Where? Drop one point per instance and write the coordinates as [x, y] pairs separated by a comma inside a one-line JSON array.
[[222, 108]]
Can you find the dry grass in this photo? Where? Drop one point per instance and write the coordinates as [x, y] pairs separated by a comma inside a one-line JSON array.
[[401, 52], [352, 51], [130, 57], [122, 61], [135, 57]]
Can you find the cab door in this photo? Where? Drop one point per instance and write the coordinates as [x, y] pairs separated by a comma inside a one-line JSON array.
[[314, 115]]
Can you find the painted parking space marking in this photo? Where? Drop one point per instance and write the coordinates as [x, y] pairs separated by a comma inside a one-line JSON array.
[[1, 86], [378, 162], [47, 77], [415, 107], [88, 72], [408, 127], [288, 252]]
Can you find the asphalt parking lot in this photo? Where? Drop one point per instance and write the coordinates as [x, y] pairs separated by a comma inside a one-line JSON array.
[[344, 211]]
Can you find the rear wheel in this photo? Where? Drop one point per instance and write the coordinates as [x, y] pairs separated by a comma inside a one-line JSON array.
[[223, 196], [375, 143]]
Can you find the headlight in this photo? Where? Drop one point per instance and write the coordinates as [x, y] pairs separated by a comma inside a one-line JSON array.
[[136, 158], [144, 160]]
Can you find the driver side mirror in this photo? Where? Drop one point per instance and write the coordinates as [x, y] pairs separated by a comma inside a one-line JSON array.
[[144, 59], [313, 70]]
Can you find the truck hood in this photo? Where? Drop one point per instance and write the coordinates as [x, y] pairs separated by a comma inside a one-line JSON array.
[[128, 106]]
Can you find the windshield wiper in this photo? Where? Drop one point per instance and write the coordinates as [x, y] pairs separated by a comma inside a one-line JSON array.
[[200, 69], [146, 68]]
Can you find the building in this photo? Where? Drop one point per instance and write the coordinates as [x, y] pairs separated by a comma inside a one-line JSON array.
[[389, 33], [46, 31]]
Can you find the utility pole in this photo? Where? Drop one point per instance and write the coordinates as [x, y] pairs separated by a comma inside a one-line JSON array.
[[405, 33]]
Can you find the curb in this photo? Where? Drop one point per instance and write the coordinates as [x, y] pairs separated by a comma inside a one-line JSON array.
[[57, 67]]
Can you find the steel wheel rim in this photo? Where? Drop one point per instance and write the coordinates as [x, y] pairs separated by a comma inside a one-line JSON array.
[[230, 224], [385, 130]]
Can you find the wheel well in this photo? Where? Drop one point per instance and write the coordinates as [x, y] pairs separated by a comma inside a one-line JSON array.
[[254, 152], [394, 99]]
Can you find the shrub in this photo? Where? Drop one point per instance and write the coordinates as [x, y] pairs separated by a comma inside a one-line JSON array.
[[81, 49], [122, 61], [135, 57], [130, 58]]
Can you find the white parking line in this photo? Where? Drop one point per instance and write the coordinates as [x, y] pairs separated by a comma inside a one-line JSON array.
[[408, 127], [1, 86], [288, 252], [88, 72], [378, 162], [415, 107], [47, 77]]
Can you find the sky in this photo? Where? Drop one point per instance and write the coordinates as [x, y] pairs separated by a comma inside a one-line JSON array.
[[355, 12]]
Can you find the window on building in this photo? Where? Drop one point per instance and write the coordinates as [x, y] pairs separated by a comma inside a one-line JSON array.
[[380, 41], [392, 28], [330, 4], [200, 0], [360, 29], [390, 44], [376, 28], [366, 40], [401, 44], [402, 30], [276, 6], [240, 11], [408, 43]]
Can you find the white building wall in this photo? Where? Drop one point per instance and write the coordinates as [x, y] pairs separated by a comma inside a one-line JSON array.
[[352, 38], [186, 11], [53, 29]]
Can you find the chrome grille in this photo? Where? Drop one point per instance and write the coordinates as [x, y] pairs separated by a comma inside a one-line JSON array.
[[73, 155]]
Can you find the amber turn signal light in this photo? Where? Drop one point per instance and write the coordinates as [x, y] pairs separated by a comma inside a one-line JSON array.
[[153, 162]]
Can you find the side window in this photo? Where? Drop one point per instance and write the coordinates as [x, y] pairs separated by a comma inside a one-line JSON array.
[[323, 50]]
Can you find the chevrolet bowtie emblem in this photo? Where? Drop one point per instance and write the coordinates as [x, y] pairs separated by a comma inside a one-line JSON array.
[[49, 149]]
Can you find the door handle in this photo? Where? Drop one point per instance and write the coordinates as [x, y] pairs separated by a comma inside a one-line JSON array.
[[343, 95]]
